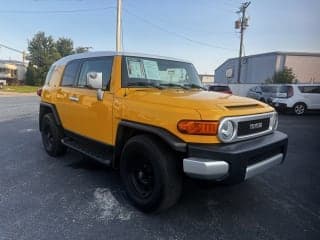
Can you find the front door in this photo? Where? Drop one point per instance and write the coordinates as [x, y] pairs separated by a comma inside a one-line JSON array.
[[83, 113]]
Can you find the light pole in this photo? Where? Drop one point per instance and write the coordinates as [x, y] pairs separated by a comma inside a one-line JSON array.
[[242, 24], [118, 37]]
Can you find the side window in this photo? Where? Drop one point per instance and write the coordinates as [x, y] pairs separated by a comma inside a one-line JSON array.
[[49, 75], [70, 73], [103, 65], [309, 89]]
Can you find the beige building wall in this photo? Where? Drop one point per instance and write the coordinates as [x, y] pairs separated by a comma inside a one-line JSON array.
[[12, 72], [306, 68], [7, 70]]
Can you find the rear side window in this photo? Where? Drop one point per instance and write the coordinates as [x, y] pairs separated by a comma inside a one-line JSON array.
[[70, 73], [309, 89], [49, 75], [101, 65]]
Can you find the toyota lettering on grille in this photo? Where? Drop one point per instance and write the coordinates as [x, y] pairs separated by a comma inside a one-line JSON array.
[[255, 125]]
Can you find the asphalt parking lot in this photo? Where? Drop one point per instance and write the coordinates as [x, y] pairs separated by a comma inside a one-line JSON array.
[[75, 198]]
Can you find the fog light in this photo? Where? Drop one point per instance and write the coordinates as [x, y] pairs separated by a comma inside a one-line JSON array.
[[274, 121]]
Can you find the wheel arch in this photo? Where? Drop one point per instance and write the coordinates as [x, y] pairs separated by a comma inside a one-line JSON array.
[[128, 129], [48, 108], [301, 102]]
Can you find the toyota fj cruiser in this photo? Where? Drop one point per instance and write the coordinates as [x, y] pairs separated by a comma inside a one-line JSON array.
[[150, 117]]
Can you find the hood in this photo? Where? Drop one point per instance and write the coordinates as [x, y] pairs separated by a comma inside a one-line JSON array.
[[194, 99]]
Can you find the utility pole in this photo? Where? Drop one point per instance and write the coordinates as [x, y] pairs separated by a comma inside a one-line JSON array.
[[242, 23], [15, 50], [118, 37]]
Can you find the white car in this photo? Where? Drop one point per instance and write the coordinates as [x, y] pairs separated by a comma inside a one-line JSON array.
[[297, 97], [262, 93]]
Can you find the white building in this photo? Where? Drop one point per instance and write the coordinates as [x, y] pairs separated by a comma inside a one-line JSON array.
[[12, 72], [256, 69], [206, 78]]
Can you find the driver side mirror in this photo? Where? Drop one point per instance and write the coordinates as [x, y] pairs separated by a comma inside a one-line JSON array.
[[94, 80]]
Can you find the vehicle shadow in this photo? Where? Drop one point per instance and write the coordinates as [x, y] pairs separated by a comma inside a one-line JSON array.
[[198, 198], [308, 113]]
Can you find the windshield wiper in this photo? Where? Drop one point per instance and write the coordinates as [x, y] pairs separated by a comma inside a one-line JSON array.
[[145, 84], [174, 85], [192, 85]]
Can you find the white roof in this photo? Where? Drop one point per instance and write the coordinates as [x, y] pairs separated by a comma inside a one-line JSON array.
[[67, 59]]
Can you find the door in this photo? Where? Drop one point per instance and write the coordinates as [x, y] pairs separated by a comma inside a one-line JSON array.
[[64, 103], [84, 114], [312, 94]]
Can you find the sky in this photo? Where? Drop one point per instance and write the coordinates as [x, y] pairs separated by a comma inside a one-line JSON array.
[[200, 31]]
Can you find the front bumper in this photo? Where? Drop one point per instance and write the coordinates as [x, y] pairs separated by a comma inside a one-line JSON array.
[[279, 105], [237, 161]]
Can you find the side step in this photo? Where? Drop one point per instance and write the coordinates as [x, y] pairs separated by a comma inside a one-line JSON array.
[[100, 154]]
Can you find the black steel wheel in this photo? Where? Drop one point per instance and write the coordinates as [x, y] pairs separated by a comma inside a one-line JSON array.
[[150, 173], [51, 136], [141, 176]]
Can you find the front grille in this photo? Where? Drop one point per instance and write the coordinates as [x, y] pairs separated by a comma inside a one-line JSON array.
[[253, 126]]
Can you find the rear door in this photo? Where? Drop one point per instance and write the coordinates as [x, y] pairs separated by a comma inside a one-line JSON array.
[[64, 96], [312, 94]]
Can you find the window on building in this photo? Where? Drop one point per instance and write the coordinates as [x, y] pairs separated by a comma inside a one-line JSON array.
[[229, 73]]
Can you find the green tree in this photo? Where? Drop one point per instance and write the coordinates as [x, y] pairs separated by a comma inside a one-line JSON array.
[[42, 53], [31, 75], [64, 46], [285, 76]]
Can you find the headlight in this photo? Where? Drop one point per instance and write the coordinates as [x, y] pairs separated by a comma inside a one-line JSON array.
[[274, 121], [226, 131]]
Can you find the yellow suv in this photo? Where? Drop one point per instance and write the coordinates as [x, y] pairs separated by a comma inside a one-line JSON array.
[[150, 117]]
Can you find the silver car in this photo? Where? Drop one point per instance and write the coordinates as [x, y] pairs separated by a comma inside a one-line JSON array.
[[262, 93]]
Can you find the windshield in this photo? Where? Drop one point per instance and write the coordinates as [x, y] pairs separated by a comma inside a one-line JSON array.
[[160, 73], [269, 89]]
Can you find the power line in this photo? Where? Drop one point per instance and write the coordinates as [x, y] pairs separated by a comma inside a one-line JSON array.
[[55, 11], [15, 50], [175, 33], [164, 21], [11, 48]]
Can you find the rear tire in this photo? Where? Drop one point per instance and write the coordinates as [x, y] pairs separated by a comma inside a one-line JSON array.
[[151, 174], [299, 109], [51, 136]]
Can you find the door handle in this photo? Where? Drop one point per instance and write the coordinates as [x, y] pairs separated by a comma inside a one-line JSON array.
[[74, 99]]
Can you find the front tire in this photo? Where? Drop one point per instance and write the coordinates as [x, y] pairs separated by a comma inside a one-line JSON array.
[[51, 136], [150, 173], [299, 109]]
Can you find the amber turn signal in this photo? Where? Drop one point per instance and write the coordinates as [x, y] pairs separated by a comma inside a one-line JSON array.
[[198, 127]]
